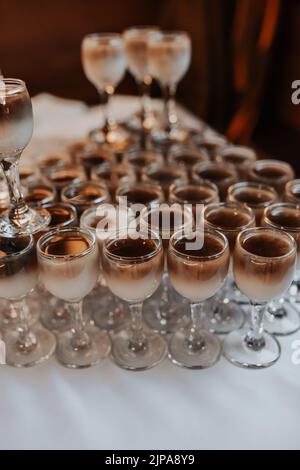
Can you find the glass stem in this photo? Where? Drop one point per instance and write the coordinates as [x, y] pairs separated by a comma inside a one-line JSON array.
[[195, 340], [164, 303], [144, 87], [254, 339], [105, 96], [171, 118], [80, 338], [19, 212], [26, 338], [138, 342]]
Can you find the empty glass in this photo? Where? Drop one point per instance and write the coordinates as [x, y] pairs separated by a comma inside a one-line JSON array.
[[169, 55], [133, 266], [26, 345], [197, 269], [264, 263], [69, 269], [16, 126]]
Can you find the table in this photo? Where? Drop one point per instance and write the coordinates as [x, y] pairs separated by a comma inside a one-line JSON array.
[[50, 407]]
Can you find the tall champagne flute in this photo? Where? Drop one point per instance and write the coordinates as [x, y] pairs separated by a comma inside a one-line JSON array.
[[104, 62], [169, 55], [16, 126], [136, 40]]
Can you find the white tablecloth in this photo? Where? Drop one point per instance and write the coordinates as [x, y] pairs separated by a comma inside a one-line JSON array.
[[50, 407]]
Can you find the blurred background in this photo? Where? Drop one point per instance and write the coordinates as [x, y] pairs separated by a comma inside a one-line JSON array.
[[245, 57]]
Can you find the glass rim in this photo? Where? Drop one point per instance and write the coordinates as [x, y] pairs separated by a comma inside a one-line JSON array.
[[255, 185], [146, 212], [258, 164], [290, 183], [103, 35], [19, 84], [55, 232], [79, 184], [238, 149], [291, 205], [93, 211], [63, 205], [192, 151], [141, 28], [131, 185], [179, 185], [281, 233], [172, 34], [213, 164], [213, 232], [235, 205], [116, 236], [20, 253]]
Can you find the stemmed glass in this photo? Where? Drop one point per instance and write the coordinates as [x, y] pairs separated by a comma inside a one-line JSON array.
[[69, 269], [16, 126], [198, 265], [25, 345], [169, 55], [104, 62], [132, 265], [136, 40], [282, 316], [238, 156], [273, 173], [264, 264]]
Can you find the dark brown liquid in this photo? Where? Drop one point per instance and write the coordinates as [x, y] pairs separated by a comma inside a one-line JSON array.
[[227, 218], [211, 246], [84, 194], [164, 176], [39, 195], [93, 160], [188, 159], [271, 172], [12, 246], [141, 196], [165, 219], [267, 245], [253, 196], [25, 173], [66, 246], [215, 174], [59, 215], [193, 194], [51, 161], [139, 161], [234, 159], [130, 248], [64, 177], [285, 217]]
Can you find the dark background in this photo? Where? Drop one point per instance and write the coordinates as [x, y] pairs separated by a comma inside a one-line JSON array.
[[246, 53]]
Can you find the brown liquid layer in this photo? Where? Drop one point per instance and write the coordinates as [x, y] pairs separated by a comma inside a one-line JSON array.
[[141, 196], [234, 159], [215, 175], [164, 176], [211, 246], [267, 245], [253, 196], [38, 194], [285, 217], [227, 218], [188, 159], [271, 172], [66, 246], [194, 194], [130, 248]]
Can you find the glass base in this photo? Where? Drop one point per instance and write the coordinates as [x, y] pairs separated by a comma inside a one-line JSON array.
[[118, 138], [91, 355], [202, 358], [282, 319], [42, 351], [134, 122], [56, 315], [225, 317], [175, 135], [238, 353], [38, 219], [174, 317], [108, 312], [125, 358], [9, 319]]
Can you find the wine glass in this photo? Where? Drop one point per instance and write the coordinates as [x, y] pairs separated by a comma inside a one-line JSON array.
[[69, 269], [26, 345], [132, 264], [104, 62], [169, 55], [16, 126], [264, 264], [282, 316], [136, 40], [292, 191], [85, 195], [223, 175], [273, 173], [238, 156], [198, 265]]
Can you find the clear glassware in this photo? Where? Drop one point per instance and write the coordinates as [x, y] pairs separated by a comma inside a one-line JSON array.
[[139, 195], [292, 191], [220, 174], [136, 41], [238, 156], [164, 175], [93, 156], [166, 311], [198, 266], [108, 312], [273, 173], [113, 175], [139, 159], [193, 193], [187, 158], [282, 316], [48, 162], [16, 126], [104, 62], [169, 55], [69, 268], [230, 218], [255, 195], [39, 194], [264, 263], [55, 313], [85, 195], [133, 265], [4, 194], [63, 176], [209, 141], [28, 175], [26, 345]]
